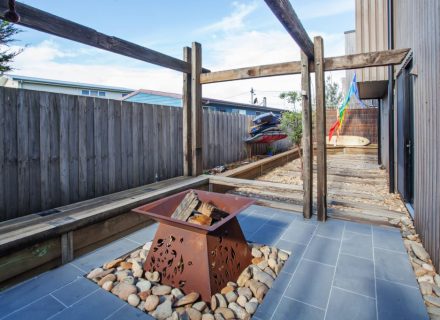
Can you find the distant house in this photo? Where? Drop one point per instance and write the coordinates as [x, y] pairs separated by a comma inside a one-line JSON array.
[[175, 100], [57, 86]]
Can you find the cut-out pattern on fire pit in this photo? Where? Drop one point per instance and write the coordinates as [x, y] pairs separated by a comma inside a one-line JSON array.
[[224, 261], [199, 262], [167, 258], [200, 258]]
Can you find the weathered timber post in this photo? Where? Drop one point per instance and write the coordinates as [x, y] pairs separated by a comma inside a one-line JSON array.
[[186, 106], [307, 145], [196, 110], [320, 130]]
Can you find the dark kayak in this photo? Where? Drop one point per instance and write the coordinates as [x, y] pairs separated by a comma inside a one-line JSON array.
[[264, 128], [266, 118], [266, 137]]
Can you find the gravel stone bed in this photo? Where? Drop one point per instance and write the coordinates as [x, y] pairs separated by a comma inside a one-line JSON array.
[[126, 278], [427, 278]]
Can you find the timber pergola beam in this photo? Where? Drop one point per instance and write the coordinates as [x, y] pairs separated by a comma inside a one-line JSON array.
[[283, 10], [42, 21], [348, 62]]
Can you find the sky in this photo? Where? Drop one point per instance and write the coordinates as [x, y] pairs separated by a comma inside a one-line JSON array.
[[233, 34]]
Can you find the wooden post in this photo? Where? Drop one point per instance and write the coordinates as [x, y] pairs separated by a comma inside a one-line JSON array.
[[307, 145], [320, 130], [186, 106], [196, 110], [66, 247]]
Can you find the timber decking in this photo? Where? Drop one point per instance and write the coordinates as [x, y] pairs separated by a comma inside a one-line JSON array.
[[357, 188]]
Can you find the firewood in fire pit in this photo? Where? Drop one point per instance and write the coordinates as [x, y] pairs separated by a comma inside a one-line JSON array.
[[200, 219], [192, 210], [206, 209], [186, 207]]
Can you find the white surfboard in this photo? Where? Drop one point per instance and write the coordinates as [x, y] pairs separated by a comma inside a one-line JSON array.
[[348, 141]]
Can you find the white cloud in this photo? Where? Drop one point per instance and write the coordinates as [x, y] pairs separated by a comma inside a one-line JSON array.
[[42, 61], [233, 21], [229, 50]]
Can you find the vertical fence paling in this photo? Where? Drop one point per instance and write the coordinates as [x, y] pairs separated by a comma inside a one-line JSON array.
[[57, 149]]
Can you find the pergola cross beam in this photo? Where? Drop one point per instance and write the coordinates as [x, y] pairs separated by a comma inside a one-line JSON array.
[[283, 10], [45, 22], [347, 62]]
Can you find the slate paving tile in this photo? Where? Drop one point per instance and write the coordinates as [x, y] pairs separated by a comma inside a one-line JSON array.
[[268, 235], [324, 250], [144, 235], [311, 283], [394, 266], [102, 255], [37, 310], [292, 309], [281, 282], [260, 211], [361, 228], [355, 274], [252, 224], [75, 291], [129, 313], [344, 305], [275, 294], [387, 238], [98, 305], [395, 301], [26, 292], [296, 251], [331, 229], [282, 220], [356, 244], [299, 232], [267, 308]]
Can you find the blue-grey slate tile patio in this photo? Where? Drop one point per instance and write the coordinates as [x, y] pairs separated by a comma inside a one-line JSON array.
[[337, 270]]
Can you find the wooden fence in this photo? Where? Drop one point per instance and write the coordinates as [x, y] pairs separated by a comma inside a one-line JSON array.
[[57, 149]]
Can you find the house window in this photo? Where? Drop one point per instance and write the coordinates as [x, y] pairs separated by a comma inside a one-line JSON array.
[[101, 93], [124, 94], [85, 92], [94, 93]]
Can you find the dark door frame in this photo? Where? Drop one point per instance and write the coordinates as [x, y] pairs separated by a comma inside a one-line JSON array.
[[405, 132]]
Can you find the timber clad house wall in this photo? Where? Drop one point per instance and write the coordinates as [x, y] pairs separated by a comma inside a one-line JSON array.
[[416, 107]]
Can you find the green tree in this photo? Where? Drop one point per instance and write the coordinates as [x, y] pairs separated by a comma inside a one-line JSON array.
[[333, 94], [292, 97], [7, 55], [291, 124]]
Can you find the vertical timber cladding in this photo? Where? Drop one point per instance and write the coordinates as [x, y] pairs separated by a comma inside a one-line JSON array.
[[320, 130], [371, 35], [418, 27]]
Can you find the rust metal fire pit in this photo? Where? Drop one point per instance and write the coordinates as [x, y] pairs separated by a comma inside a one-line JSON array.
[[196, 257]]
